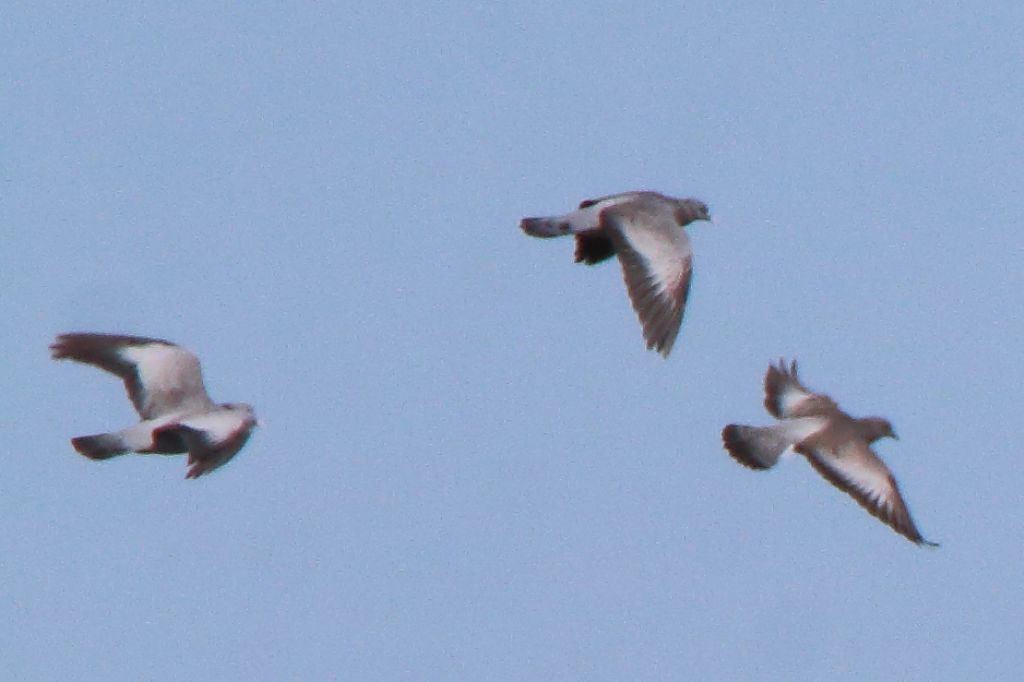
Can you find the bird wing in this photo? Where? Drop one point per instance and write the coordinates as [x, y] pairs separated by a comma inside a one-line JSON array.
[[160, 377], [657, 264], [785, 397], [855, 469], [213, 438], [612, 199]]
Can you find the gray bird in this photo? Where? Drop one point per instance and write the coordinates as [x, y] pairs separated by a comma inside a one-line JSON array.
[[645, 230], [165, 384], [836, 444]]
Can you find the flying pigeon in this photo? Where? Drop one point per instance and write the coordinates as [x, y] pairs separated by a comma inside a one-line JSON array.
[[165, 384], [645, 230], [837, 445]]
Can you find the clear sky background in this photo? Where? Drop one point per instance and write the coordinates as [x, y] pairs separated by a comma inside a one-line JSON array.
[[470, 468]]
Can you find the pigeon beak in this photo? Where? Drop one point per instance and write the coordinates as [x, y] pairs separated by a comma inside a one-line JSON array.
[[894, 436], [711, 219]]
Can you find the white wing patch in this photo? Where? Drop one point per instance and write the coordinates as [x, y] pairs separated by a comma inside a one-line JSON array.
[[217, 426], [589, 218], [791, 396], [869, 476], [796, 430], [157, 364], [667, 261], [856, 470], [169, 376]]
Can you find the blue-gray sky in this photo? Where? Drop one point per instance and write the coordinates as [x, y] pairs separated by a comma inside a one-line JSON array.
[[470, 467]]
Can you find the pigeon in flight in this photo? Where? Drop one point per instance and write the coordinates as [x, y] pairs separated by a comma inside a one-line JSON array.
[[837, 445], [165, 384], [645, 230]]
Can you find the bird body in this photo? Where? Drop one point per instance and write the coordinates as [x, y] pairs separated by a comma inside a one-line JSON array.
[[645, 230], [836, 445], [165, 384]]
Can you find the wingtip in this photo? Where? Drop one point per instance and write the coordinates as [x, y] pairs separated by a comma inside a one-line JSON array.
[[782, 367], [58, 349], [663, 341]]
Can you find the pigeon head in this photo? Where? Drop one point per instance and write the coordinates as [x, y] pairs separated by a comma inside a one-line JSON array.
[[688, 210], [873, 428]]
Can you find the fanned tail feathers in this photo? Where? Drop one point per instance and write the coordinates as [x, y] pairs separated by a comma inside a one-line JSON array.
[[756, 447], [101, 446]]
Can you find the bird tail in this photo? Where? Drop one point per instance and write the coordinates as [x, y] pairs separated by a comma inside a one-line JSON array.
[[546, 227], [757, 447], [100, 446]]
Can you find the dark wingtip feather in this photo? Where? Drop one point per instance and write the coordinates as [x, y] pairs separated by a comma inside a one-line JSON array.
[[58, 349], [898, 518], [201, 467], [92, 347], [198, 467], [775, 380]]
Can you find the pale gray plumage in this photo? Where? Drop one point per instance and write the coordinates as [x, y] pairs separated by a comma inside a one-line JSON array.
[[836, 445], [645, 230], [165, 384]]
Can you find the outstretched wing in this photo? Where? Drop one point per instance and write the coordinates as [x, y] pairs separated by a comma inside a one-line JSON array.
[[213, 439], [785, 397], [160, 377], [612, 199], [856, 470], [657, 264]]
